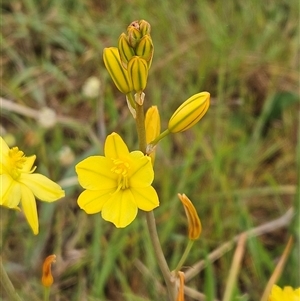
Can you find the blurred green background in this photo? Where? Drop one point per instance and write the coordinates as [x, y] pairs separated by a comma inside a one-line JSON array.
[[238, 165]]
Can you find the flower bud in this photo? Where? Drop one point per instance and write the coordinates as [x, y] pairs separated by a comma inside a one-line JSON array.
[[133, 33], [114, 67], [138, 73], [126, 52], [145, 49], [194, 223], [189, 113], [145, 27], [152, 126], [47, 278]]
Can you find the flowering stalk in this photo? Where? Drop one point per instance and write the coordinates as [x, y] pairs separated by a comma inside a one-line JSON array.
[[161, 260], [184, 255]]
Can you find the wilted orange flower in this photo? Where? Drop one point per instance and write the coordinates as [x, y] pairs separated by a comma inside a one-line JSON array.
[[194, 227], [47, 278]]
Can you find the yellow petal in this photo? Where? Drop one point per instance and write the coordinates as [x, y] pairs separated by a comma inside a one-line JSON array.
[[10, 193], [115, 147], [4, 162], [152, 124], [42, 187], [29, 207], [142, 174], [120, 209], [28, 163], [95, 172], [3, 147], [145, 198], [92, 201], [136, 155]]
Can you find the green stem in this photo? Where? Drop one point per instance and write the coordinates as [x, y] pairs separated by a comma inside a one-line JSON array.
[[140, 127], [184, 256], [158, 138], [46, 293], [7, 285], [161, 260]]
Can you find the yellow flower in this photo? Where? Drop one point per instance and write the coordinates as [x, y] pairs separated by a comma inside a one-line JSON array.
[[189, 113], [117, 184], [285, 294], [19, 183]]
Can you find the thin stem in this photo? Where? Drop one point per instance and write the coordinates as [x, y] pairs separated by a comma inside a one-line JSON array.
[[140, 127], [158, 138], [161, 260], [7, 285], [184, 255], [46, 293]]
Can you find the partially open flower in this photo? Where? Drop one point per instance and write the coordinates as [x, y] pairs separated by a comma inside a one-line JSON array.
[[189, 113], [194, 223], [47, 278]]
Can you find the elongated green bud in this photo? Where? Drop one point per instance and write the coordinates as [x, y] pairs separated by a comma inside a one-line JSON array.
[[138, 73], [125, 50], [145, 27], [115, 69], [189, 113], [152, 126], [145, 48], [133, 33]]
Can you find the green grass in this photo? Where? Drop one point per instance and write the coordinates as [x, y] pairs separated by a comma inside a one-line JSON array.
[[238, 165]]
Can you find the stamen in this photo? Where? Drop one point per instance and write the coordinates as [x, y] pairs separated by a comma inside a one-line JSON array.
[[121, 168], [17, 161]]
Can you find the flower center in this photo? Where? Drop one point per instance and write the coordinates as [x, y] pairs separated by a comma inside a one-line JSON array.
[[121, 168], [17, 161]]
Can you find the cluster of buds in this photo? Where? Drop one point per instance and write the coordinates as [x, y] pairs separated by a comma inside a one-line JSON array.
[[129, 63]]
